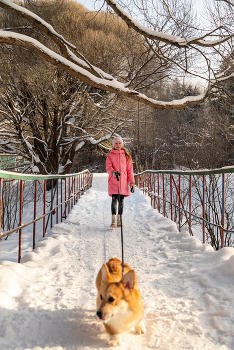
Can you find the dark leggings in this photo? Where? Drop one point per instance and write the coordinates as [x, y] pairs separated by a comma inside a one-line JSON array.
[[115, 198]]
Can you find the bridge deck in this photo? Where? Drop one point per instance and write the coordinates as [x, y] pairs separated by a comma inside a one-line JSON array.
[[48, 301]]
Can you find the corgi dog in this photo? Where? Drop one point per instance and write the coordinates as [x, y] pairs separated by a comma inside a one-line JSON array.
[[119, 302]]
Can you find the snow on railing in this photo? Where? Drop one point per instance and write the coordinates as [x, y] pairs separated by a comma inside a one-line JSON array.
[[64, 192], [202, 198]]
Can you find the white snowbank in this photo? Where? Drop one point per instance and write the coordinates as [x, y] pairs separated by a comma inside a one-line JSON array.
[[48, 301]]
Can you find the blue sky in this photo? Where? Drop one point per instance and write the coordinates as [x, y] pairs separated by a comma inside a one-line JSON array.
[[96, 4], [90, 4]]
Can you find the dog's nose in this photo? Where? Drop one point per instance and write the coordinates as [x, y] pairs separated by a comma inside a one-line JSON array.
[[99, 314]]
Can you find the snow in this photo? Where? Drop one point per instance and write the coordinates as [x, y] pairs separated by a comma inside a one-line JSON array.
[[82, 69], [49, 29], [28, 14], [113, 85], [155, 35], [80, 145], [21, 39], [48, 301]]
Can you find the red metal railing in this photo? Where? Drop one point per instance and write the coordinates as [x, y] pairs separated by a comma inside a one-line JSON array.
[[71, 188], [195, 197]]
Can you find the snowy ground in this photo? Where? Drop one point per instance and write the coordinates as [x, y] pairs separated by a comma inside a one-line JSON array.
[[48, 301]]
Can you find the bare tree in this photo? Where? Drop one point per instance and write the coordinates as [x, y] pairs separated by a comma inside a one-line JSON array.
[[175, 45], [50, 126], [47, 115]]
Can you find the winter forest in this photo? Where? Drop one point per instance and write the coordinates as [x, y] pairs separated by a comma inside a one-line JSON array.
[[160, 74], [153, 72]]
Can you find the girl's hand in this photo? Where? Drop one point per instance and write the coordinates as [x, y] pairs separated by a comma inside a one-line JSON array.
[[113, 173], [132, 186]]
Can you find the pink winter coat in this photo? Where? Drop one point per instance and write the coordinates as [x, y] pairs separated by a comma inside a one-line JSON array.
[[116, 161]]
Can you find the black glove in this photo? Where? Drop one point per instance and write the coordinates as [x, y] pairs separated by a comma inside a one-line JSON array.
[[117, 174]]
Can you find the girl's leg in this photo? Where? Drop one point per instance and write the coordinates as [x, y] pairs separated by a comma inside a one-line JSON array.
[[120, 210], [114, 210], [114, 204], [121, 204]]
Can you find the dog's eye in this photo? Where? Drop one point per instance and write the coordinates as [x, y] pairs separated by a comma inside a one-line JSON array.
[[111, 300], [101, 297]]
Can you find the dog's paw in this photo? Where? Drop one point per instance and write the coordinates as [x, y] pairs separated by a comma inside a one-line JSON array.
[[140, 328], [114, 343], [114, 340]]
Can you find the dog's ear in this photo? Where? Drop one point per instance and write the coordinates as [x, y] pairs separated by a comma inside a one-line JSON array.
[[105, 273], [129, 280], [102, 277]]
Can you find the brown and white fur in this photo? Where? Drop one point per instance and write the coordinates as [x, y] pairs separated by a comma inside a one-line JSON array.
[[119, 302]]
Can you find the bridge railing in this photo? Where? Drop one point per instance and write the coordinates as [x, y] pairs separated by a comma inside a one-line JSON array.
[[25, 195], [200, 200]]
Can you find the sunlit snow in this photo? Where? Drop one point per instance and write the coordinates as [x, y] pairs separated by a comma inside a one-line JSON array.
[[48, 301]]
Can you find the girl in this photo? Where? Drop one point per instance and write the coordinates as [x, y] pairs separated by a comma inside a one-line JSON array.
[[119, 160]]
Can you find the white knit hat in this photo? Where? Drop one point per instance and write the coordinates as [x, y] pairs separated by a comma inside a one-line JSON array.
[[116, 139]]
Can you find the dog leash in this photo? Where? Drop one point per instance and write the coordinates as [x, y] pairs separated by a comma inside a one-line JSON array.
[[117, 174]]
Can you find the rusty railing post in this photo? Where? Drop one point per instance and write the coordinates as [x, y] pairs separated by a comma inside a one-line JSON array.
[[70, 190], [66, 205], [61, 199], [203, 207], [35, 214], [44, 208], [57, 182], [74, 190], [159, 203], [69, 194], [179, 205], [164, 200], [20, 219], [171, 198], [79, 187], [190, 203], [0, 210], [223, 210], [52, 204]]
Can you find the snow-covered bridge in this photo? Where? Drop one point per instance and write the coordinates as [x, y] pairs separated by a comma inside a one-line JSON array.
[[48, 301]]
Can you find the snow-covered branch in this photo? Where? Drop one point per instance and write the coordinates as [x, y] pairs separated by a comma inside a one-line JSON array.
[[163, 37], [113, 86], [167, 49], [64, 45]]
